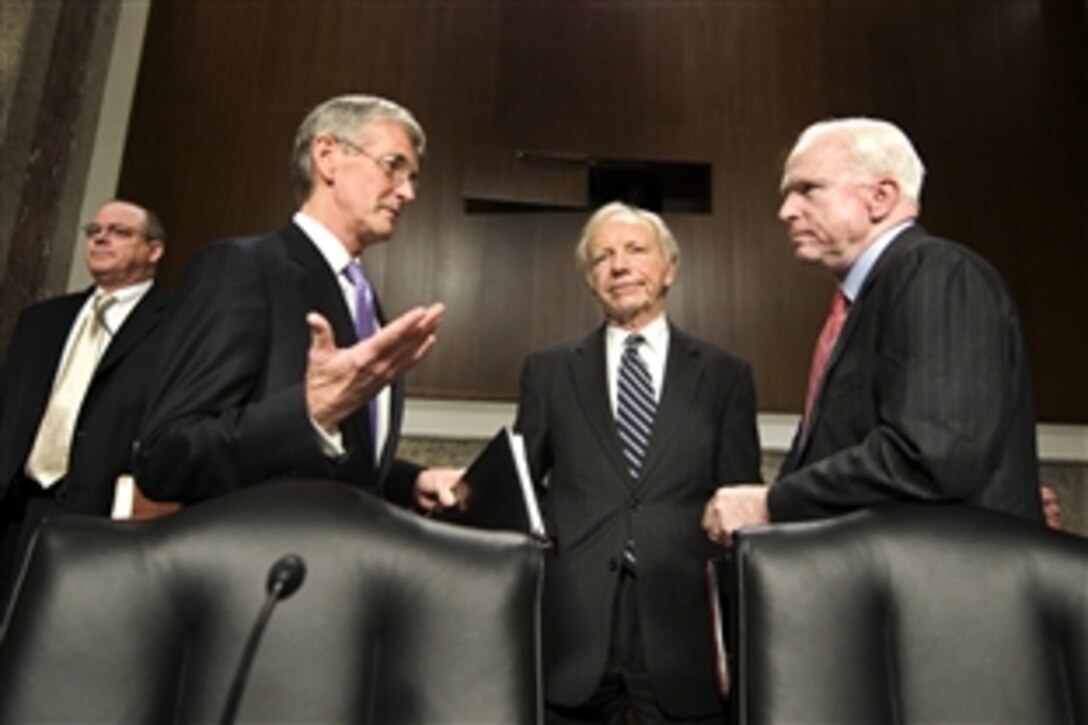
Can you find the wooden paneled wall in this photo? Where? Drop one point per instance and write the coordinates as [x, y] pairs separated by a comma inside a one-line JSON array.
[[993, 93]]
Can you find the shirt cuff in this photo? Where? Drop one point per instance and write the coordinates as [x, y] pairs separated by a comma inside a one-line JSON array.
[[331, 444]]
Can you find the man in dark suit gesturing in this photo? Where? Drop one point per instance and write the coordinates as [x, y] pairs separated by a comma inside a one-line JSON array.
[[630, 429], [75, 382], [280, 361], [925, 394]]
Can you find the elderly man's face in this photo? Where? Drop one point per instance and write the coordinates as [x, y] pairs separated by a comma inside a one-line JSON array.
[[119, 252], [628, 270], [825, 207], [365, 183]]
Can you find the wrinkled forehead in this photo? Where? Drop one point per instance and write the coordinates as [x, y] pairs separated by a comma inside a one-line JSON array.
[[818, 158], [621, 228]]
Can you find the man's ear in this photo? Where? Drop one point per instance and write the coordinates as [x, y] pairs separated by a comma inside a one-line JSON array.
[[158, 249], [323, 158], [670, 273], [883, 198]]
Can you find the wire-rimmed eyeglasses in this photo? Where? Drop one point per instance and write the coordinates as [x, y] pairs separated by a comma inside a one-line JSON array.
[[397, 167], [117, 231]]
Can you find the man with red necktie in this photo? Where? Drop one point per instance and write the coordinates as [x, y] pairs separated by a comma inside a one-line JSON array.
[[925, 394]]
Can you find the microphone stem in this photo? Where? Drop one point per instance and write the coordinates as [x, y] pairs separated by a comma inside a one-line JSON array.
[[242, 673]]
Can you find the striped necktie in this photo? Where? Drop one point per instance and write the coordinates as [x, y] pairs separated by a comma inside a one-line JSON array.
[[635, 405]]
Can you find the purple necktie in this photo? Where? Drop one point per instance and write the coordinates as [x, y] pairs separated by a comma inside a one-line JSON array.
[[364, 301], [365, 326]]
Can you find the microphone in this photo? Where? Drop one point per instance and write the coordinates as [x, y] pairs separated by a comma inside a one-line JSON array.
[[286, 576], [284, 579]]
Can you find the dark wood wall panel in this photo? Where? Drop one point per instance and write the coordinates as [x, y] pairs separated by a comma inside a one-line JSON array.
[[994, 95]]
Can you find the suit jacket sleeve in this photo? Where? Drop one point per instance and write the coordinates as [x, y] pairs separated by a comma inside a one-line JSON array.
[[739, 455], [211, 425], [920, 412]]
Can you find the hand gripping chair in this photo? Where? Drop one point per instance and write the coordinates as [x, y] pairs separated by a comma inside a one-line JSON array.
[[400, 619], [909, 614]]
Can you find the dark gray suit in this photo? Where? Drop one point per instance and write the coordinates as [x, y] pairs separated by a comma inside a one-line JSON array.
[[927, 395], [228, 407], [108, 419], [704, 436]]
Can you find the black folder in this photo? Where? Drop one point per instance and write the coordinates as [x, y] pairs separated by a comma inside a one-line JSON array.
[[497, 492]]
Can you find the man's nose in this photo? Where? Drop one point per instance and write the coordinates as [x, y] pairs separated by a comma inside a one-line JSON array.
[[787, 210], [406, 190]]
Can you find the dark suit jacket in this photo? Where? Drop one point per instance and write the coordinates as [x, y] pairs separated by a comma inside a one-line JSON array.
[[111, 411], [228, 405], [704, 436], [927, 396]]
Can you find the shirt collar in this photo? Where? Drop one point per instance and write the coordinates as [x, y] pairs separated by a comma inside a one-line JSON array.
[[125, 300], [656, 334], [128, 294], [331, 248], [858, 273]]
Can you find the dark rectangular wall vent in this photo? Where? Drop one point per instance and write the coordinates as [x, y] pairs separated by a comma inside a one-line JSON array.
[[661, 186]]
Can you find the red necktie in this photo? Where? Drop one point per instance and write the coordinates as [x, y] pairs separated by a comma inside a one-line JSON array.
[[824, 345]]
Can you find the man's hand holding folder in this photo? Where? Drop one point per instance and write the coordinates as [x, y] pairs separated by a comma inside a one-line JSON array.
[[496, 491]]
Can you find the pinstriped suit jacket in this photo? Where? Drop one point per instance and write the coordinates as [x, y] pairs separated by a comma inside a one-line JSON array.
[[927, 395], [704, 436]]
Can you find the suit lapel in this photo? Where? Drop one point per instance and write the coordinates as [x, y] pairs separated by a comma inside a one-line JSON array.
[[54, 333], [140, 322], [322, 293], [320, 288], [680, 386], [47, 349], [590, 381], [858, 309], [396, 412]]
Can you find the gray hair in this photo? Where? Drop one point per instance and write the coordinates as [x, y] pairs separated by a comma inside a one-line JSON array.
[[154, 229], [665, 239], [342, 117], [875, 147]]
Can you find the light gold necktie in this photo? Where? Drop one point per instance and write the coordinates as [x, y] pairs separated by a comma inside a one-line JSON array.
[[48, 460]]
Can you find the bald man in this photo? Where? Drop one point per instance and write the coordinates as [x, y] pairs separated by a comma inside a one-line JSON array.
[[62, 448]]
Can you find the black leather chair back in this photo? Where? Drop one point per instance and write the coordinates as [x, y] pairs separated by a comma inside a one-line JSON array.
[[910, 614], [399, 620]]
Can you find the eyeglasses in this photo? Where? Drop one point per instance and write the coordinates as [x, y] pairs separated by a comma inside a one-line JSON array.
[[117, 231], [397, 168]]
